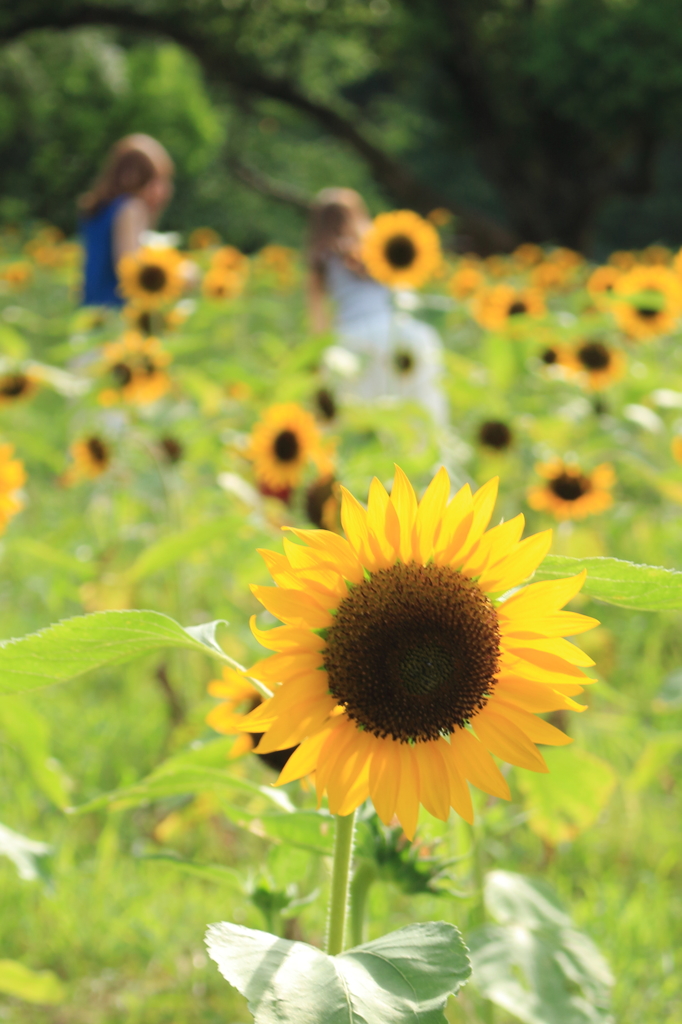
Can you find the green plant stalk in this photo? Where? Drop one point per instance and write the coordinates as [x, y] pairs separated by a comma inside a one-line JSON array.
[[338, 903], [365, 873]]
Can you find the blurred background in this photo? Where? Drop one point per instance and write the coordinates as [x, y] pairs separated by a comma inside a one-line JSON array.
[[537, 120]]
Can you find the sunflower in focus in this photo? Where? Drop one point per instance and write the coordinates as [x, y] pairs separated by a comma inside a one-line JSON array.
[[597, 365], [16, 386], [282, 444], [401, 249], [238, 697], [647, 301], [203, 238], [497, 307], [12, 479], [568, 493], [220, 283], [466, 281], [137, 366], [399, 668], [600, 284], [91, 457], [150, 278]]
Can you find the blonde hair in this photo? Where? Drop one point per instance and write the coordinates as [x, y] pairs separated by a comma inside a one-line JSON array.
[[131, 164], [338, 220]]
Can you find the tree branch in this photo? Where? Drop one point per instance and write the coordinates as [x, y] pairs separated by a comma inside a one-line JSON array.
[[280, 191]]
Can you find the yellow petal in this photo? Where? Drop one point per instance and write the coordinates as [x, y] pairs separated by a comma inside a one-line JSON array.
[[224, 720], [556, 624], [348, 770], [339, 743], [536, 729], [301, 721], [434, 781], [460, 797], [287, 638], [379, 510], [430, 514], [544, 597], [336, 548], [507, 741], [474, 763], [280, 667], [384, 778], [483, 503], [242, 745], [494, 545], [519, 565], [354, 522], [303, 761], [293, 607], [455, 525], [553, 645], [407, 804], [404, 501], [534, 697]]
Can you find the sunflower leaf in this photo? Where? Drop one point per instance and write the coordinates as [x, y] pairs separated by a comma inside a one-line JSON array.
[[405, 976], [644, 587], [73, 647], [43, 987]]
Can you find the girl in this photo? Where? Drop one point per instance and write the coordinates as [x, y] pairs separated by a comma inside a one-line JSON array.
[[398, 355], [127, 199]]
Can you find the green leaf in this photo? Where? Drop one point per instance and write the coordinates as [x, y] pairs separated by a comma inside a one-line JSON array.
[[193, 771], [218, 873], [29, 732], [31, 986], [23, 852], [405, 976], [308, 830], [656, 757], [75, 646], [534, 963], [647, 588], [569, 799], [48, 554]]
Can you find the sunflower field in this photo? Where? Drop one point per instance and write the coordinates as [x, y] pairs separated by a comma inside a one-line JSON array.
[[400, 717]]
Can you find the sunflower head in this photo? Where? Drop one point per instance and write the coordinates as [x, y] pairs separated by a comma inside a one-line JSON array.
[[647, 301], [16, 386], [151, 278], [401, 249], [325, 404], [570, 493], [237, 698], [136, 367], [12, 479], [322, 504], [222, 283], [528, 255], [17, 274], [91, 457], [502, 306], [596, 364], [404, 659], [283, 443], [203, 238], [495, 434], [466, 281], [171, 449]]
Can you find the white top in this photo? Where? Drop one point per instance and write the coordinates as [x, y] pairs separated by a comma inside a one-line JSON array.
[[358, 299]]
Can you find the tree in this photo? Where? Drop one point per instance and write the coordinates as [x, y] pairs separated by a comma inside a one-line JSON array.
[[561, 104]]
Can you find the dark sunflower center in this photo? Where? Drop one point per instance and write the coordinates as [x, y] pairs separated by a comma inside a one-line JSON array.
[[172, 449], [286, 446], [517, 308], [14, 385], [403, 362], [549, 356], [647, 312], [570, 487], [413, 652], [594, 356], [315, 500], [144, 322], [148, 366], [122, 373], [400, 251], [326, 403], [97, 450], [152, 278], [495, 434]]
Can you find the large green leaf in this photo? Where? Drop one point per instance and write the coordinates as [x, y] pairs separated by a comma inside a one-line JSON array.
[[568, 799], [32, 986], [534, 963], [23, 852], [75, 646], [405, 976], [201, 769], [645, 587]]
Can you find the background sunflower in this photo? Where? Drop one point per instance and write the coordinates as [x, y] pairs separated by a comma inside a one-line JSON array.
[[401, 249]]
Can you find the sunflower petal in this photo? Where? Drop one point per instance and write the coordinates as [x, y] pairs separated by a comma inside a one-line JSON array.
[[474, 763], [507, 741], [303, 761], [404, 501], [536, 729], [460, 797], [483, 503], [382, 522], [544, 597], [349, 769], [293, 607], [517, 566], [430, 514], [494, 546], [354, 522], [337, 549], [279, 667], [407, 804], [556, 624], [242, 745], [384, 778], [434, 789]]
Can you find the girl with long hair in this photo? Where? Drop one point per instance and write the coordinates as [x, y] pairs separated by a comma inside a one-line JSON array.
[[127, 199]]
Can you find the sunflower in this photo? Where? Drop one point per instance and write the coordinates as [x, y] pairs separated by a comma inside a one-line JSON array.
[[17, 274], [648, 301], [495, 434], [656, 256], [676, 448], [228, 257], [571, 494], [325, 404], [220, 283], [12, 479], [401, 249], [550, 276], [203, 238], [466, 281], [151, 278], [16, 386], [282, 444], [623, 259], [597, 365], [137, 366], [399, 666], [323, 505], [237, 693], [91, 457], [495, 308], [528, 254], [278, 261], [601, 282]]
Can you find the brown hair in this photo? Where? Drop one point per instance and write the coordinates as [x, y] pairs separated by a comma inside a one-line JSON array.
[[338, 218], [131, 164]]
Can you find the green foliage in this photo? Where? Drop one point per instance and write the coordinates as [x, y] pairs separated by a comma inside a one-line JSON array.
[[23, 852], [646, 587], [404, 976], [32, 986], [534, 963]]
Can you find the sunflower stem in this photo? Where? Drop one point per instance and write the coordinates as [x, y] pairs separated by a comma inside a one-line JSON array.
[[364, 875], [338, 903]]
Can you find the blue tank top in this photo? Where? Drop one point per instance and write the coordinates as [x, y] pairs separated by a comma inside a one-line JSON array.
[[100, 285]]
